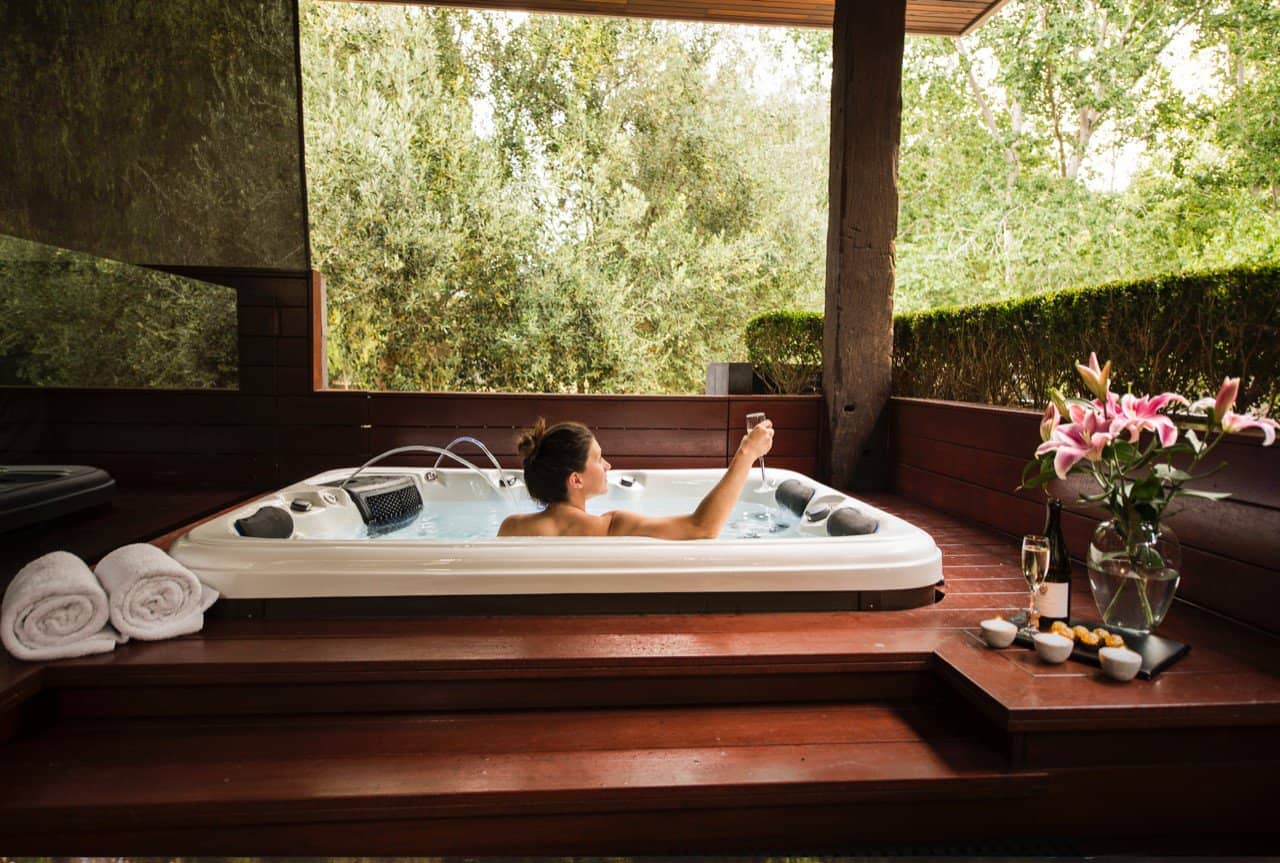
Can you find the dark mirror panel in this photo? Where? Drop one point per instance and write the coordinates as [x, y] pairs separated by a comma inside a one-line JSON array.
[[155, 133]]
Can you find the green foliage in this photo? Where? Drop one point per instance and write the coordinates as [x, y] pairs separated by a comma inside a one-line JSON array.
[[599, 205], [68, 319], [785, 349], [1014, 140], [550, 204], [1182, 333]]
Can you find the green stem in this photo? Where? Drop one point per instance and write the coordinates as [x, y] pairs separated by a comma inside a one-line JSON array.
[[1146, 603], [1114, 598]]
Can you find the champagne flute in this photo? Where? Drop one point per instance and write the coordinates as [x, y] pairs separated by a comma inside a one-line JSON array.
[[1035, 565], [754, 420]]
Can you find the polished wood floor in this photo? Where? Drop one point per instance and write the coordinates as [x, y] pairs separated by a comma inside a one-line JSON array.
[[620, 734]]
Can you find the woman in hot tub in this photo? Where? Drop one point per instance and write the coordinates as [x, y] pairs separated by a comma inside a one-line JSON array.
[[563, 467]]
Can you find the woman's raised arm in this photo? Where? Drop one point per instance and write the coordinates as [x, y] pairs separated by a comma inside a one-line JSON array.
[[707, 520]]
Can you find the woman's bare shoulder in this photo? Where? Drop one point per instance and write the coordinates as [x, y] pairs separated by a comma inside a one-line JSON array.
[[526, 524]]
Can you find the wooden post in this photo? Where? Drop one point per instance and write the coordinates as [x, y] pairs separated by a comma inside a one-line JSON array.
[[319, 333], [866, 118]]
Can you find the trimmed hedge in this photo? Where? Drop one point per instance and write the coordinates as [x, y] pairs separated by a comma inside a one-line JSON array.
[[1182, 333], [785, 350]]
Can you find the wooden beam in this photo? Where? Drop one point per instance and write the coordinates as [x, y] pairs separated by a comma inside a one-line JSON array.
[[924, 17], [982, 19], [866, 119], [319, 334]]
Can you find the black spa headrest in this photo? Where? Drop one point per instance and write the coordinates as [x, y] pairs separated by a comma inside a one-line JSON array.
[[850, 522], [270, 522], [794, 495]]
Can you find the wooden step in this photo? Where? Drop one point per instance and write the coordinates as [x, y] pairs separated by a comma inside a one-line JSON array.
[[231, 785], [444, 664]]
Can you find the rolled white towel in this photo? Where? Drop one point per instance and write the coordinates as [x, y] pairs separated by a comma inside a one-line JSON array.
[[54, 608], [150, 595]]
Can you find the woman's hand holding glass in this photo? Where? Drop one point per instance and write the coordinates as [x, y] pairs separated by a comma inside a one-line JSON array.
[[758, 441]]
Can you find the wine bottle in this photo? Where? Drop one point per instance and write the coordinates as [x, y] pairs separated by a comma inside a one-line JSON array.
[[1055, 596]]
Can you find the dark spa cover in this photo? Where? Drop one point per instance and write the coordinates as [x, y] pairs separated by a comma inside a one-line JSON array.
[[31, 493]]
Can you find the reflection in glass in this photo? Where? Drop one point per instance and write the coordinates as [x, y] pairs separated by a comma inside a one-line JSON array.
[[72, 320], [154, 133]]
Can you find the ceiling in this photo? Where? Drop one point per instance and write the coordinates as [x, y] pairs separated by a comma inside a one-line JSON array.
[[924, 17]]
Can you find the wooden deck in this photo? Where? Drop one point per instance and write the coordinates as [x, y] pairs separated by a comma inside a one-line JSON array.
[[629, 734]]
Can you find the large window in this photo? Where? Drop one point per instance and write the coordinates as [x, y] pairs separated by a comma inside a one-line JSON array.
[[503, 201]]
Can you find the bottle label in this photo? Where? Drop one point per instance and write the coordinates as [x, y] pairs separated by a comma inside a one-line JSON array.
[[1054, 599]]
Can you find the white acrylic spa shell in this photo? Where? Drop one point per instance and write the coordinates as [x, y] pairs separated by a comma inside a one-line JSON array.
[[313, 563]]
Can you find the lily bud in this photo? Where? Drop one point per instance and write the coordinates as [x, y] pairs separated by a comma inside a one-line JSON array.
[[1049, 421], [1098, 380], [1059, 401], [1226, 398]]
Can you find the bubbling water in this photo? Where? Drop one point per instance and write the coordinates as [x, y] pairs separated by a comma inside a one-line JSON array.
[[480, 519]]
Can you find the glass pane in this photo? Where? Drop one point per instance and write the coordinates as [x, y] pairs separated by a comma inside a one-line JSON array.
[[72, 320]]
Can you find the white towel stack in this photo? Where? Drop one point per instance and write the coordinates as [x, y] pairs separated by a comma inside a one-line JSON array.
[[151, 595], [54, 608]]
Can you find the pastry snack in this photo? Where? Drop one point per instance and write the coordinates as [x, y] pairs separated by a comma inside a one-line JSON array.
[[1091, 637]]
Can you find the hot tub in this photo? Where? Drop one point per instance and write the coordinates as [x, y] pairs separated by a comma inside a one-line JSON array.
[[766, 550]]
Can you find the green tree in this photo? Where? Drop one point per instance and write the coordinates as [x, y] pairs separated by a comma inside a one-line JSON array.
[[550, 203]]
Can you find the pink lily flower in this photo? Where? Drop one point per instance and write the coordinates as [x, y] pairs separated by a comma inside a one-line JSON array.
[[1097, 379], [1049, 421], [1111, 407], [1079, 440], [1078, 412], [1234, 422], [1143, 414]]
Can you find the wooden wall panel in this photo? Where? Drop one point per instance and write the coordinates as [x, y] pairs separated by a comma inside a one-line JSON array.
[[518, 410], [209, 439], [1248, 530], [967, 460], [145, 407]]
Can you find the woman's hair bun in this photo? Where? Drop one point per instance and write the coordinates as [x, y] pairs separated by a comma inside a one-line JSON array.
[[530, 438]]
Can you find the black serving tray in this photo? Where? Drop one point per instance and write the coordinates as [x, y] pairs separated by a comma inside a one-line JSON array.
[[1157, 652]]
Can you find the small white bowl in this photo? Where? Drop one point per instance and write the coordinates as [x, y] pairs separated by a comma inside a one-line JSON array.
[[998, 632], [1053, 648], [1120, 663]]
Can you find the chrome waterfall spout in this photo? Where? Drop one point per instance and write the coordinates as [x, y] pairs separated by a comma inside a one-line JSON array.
[[504, 480], [502, 490]]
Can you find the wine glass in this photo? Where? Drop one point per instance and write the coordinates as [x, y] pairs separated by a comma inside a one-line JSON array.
[[754, 420], [1035, 565]]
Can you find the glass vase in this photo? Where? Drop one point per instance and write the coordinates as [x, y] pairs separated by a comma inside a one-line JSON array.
[[1133, 573]]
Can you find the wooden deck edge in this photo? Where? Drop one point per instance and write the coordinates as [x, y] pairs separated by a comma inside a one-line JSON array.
[[992, 786], [991, 687]]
